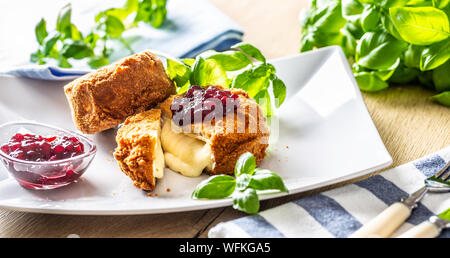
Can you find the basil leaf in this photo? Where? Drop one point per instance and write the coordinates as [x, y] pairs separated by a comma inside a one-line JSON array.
[[435, 55], [75, 33], [264, 179], [91, 39], [371, 18], [441, 77], [348, 43], [41, 31], [243, 181], [246, 164], [63, 21], [76, 49], [263, 100], [379, 50], [370, 82], [37, 57], [253, 80], [355, 29], [230, 60], [388, 25], [419, 3], [188, 61], [445, 215], [420, 25], [246, 201], [323, 39], [177, 72], [98, 61], [404, 75], [113, 26], [131, 6], [279, 91], [208, 72], [215, 187], [387, 3], [386, 74], [443, 98], [412, 56], [62, 62], [251, 51], [50, 42], [351, 9], [307, 42], [426, 78], [152, 12], [158, 17], [328, 17]]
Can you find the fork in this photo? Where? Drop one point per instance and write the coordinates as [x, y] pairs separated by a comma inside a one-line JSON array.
[[391, 218], [427, 229]]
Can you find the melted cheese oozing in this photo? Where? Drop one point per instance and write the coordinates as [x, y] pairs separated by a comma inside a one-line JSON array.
[[184, 153], [158, 162]]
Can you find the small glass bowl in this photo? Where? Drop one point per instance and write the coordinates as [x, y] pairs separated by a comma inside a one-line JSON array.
[[48, 174]]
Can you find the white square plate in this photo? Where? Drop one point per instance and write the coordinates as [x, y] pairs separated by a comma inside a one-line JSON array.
[[325, 136]]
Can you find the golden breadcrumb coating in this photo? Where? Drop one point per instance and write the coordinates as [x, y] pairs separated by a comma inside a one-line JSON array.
[[137, 143], [247, 132], [105, 98]]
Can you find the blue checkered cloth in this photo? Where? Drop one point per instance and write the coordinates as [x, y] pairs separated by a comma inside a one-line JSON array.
[[340, 212], [191, 28]]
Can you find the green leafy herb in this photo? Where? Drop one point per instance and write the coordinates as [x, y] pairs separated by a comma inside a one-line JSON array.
[[435, 55], [66, 42], [368, 81], [41, 31], [445, 215], [264, 179], [246, 164], [420, 25], [242, 189], [379, 50], [208, 72], [387, 41], [441, 77], [250, 51], [234, 68], [215, 187], [246, 201], [443, 98]]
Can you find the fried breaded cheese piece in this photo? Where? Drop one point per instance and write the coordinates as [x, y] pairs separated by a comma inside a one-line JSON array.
[[216, 146], [139, 153], [105, 98]]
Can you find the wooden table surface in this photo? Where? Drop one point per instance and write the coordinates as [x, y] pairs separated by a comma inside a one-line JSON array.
[[410, 125]]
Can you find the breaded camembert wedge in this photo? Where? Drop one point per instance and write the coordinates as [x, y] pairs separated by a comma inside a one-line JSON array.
[[105, 98], [215, 145], [138, 151]]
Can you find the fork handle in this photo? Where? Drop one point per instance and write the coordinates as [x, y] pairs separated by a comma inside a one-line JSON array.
[[385, 223], [427, 229]]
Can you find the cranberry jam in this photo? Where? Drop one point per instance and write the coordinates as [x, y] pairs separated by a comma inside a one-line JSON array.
[[31, 147], [201, 102]]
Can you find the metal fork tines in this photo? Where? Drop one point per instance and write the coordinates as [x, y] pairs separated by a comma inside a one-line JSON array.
[[438, 183], [392, 217]]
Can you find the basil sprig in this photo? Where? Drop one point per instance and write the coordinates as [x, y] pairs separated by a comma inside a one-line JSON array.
[[243, 187], [242, 67], [66, 42], [388, 41]]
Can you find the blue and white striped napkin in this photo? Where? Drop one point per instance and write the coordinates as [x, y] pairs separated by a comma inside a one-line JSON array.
[[340, 212], [191, 28]]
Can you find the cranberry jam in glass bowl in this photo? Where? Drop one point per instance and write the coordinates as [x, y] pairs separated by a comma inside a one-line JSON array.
[[41, 156]]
